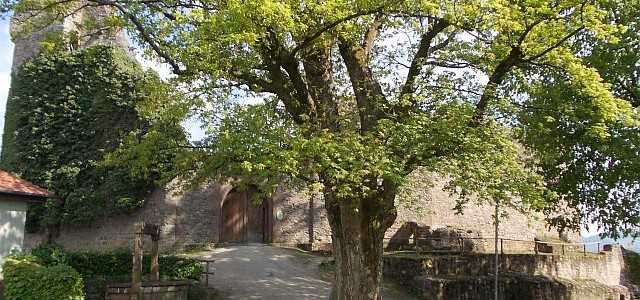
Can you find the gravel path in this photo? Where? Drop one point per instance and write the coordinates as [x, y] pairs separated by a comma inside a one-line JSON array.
[[267, 272]]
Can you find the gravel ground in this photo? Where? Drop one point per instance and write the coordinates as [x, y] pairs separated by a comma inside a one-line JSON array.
[[267, 272]]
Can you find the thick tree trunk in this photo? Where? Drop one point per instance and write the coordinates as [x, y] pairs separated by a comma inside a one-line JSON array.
[[358, 227]]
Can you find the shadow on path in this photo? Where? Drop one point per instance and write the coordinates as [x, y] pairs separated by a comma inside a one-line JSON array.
[[267, 272]]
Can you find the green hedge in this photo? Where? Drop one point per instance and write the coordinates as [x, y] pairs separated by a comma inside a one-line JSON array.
[[116, 263], [25, 280]]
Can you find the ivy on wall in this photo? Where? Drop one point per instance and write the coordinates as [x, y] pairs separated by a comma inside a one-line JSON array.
[[66, 110]]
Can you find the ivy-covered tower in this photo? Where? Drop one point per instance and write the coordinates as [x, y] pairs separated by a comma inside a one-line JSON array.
[[72, 100], [31, 41]]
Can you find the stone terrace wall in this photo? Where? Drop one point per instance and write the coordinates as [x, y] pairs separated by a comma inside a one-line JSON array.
[[605, 269]]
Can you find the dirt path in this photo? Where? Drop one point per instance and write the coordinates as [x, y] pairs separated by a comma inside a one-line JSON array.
[[266, 272]]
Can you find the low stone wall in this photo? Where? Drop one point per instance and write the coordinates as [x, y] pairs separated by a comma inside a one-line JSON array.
[[470, 276], [606, 268], [513, 287], [185, 219]]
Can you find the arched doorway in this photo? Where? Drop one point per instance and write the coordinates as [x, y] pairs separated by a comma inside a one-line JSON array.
[[245, 222]]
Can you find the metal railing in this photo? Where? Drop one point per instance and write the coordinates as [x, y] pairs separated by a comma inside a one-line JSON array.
[[487, 245]]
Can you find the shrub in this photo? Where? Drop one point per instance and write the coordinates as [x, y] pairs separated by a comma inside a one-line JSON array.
[[110, 263], [50, 255], [178, 267], [119, 263], [26, 280]]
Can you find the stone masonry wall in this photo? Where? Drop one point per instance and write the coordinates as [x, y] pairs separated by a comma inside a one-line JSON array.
[[28, 44], [521, 276], [605, 269], [193, 218], [434, 208], [305, 221], [185, 219]]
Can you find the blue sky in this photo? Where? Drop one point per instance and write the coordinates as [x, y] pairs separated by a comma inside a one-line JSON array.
[[6, 53]]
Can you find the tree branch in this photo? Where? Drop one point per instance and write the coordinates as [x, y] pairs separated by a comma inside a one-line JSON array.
[[147, 37], [496, 78], [419, 58], [310, 39]]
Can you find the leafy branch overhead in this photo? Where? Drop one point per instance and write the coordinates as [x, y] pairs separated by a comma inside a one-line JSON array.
[[404, 83]]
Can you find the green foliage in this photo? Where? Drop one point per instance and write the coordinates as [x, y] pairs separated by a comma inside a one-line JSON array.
[[109, 263], [115, 264], [178, 267], [584, 141], [66, 110], [50, 255], [29, 281], [497, 97], [632, 266]]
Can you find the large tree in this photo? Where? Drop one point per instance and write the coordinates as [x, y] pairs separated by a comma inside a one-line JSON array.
[[356, 95]]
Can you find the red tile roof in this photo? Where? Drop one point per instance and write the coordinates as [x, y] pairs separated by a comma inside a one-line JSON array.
[[10, 184]]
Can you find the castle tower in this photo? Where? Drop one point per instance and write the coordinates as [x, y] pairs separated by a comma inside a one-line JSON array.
[[28, 44]]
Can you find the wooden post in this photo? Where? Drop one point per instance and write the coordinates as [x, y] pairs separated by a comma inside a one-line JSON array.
[[206, 275], [155, 270], [501, 246], [584, 249], [136, 274], [535, 247], [563, 249]]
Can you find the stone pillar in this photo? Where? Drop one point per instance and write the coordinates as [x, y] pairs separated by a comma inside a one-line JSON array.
[[140, 229]]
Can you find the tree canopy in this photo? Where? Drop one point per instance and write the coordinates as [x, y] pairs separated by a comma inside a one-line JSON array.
[[512, 101]]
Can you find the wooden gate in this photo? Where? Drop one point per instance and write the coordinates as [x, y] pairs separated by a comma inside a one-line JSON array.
[[243, 222], [234, 218]]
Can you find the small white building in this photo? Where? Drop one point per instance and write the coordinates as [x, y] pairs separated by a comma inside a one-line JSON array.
[[15, 195]]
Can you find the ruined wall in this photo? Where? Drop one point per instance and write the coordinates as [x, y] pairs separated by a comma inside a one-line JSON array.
[[432, 207], [605, 268], [522, 276]]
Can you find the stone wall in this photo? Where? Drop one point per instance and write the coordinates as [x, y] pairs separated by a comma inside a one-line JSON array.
[[305, 221], [185, 219], [432, 207], [28, 44], [514, 287], [522, 276], [193, 218], [605, 268]]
